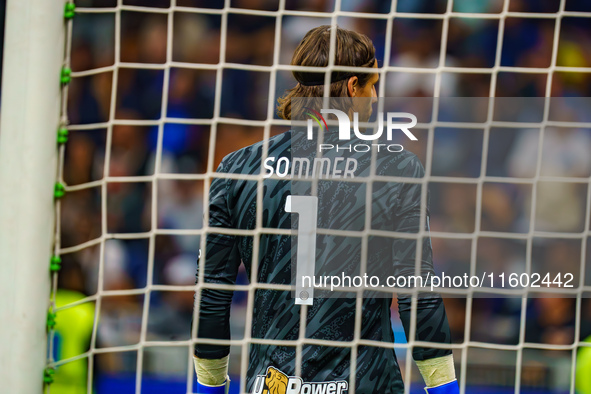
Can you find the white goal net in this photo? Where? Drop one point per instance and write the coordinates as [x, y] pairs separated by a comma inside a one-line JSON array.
[[156, 92]]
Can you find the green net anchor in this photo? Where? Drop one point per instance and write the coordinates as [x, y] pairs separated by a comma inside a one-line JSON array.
[[62, 135], [70, 10], [48, 375], [59, 190], [55, 264], [66, 75], [51, 316]]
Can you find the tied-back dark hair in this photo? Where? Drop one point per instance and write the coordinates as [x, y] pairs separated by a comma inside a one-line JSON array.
[[352, 49]]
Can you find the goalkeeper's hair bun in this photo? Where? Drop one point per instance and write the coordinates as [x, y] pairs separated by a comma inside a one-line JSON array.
[[352, 50]]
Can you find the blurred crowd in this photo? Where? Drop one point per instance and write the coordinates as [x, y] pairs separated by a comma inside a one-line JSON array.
[[133, 208]]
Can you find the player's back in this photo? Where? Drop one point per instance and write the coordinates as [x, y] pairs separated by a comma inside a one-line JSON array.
[[275, 314]]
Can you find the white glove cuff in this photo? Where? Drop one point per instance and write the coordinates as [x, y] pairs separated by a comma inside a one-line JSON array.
[[211, 372], [437, 371]]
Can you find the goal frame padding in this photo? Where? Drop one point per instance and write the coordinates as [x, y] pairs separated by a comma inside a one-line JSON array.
[[29, 119]]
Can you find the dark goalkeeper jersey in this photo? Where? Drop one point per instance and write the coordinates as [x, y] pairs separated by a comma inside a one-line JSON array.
[[395, 207]]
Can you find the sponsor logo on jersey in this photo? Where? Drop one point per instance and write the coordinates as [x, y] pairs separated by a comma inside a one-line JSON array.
[[277, 382]]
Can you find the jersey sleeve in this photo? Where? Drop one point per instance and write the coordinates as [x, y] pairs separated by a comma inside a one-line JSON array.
[[220, 264], [431, 323]]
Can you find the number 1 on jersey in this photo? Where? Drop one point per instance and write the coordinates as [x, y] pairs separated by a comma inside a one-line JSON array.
[[307, 209]]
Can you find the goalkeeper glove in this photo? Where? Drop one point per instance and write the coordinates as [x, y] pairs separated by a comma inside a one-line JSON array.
[[212, 375], [205, 389], [447, 388]]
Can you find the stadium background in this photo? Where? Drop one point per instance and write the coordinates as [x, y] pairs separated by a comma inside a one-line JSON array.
[[415, 43]]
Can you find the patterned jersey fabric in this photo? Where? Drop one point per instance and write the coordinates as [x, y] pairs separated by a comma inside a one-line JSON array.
[[395, 207]]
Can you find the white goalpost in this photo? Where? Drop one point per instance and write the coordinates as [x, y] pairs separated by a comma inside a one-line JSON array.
[[37, 49], [33, 56]]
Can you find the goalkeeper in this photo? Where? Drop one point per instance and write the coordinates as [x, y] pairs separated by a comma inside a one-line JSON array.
[[233, 204]]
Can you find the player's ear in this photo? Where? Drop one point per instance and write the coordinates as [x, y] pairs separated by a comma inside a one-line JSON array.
[[353, 86]]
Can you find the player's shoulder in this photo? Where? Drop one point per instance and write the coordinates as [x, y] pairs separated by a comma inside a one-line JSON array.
[[404, 164], [247, 160]]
